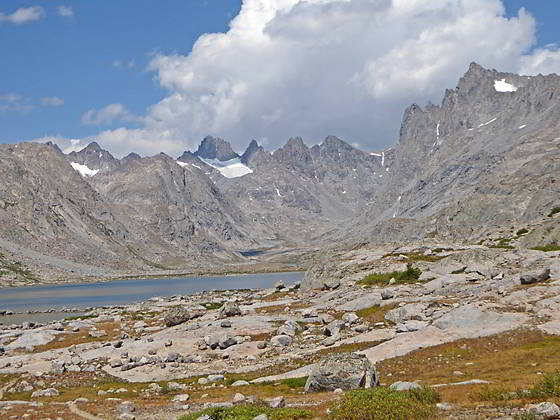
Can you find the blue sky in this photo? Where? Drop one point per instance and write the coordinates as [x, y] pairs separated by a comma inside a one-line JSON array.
[[65, 58], [77, 57]]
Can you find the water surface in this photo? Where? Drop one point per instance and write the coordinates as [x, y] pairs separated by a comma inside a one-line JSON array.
[[130, 291]]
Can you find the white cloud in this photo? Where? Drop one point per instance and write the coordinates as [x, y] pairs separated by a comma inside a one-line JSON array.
[[65, 11], [542, 60], [107, 115], [23, 15], [14, 102], [319, 67], [52, 101]]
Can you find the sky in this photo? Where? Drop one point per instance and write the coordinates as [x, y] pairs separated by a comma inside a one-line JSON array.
[[151, 76]]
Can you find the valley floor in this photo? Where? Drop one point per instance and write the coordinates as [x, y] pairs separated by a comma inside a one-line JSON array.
[[453, 318]]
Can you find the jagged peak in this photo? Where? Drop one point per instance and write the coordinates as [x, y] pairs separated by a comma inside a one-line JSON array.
[[132, 156], [252, 148], [215, 148]]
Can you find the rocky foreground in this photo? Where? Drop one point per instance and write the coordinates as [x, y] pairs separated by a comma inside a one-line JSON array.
[[477, 326]]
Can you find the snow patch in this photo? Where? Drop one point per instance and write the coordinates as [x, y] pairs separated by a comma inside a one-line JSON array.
[[522, 126], [437, 131], [230, 168], [489, 122], [83, 170], [181, 164], [278, 192], [375, 154], [382, 158], [503, 86]]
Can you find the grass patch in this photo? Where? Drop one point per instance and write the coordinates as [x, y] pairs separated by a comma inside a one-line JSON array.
[[554, 211], [502, 246], [212, 305], [410, 275], [547, 248], [385, 404], [416, 256], [248, 412], [375, 314]]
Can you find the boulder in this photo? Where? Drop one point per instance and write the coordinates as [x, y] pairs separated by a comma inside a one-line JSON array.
[[176, 316], [535, 277], [229, 309], [404, 386], [406, 312], [350, 318], [334, 328], [281, 341], [289, 328], [226, 341], [545, 410], [387, 294], [49, 392], [344, 371]]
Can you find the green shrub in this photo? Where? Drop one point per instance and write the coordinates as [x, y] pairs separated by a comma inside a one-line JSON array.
[[385, 404], [554, 211], [522, 232], [548, 386], [248, 412], [212, 305], [410, 275]]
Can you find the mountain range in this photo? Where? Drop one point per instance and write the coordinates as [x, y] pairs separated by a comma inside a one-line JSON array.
[[482, 164]]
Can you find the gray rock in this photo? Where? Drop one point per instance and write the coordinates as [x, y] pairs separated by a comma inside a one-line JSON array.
[[49, 392], [281, 341], [406, 312], [386, 294], [545, 410], [277, 402], [176, 316], [404, 386], [227, 341], [344, 371], [334, 328], [240, 383], [229, 309], [261, 417], [535, 277], [289, 328], [350, 318]]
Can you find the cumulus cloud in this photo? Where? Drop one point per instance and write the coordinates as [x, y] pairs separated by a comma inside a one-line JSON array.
[[65, 11], [52, 101], [107, 115], [318, 67], [23, 15]]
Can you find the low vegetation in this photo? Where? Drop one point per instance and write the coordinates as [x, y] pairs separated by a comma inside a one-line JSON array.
[[554, 211], [417, 256], [410, 275], [386, 404], [522, 231], [548, 248], [248, 412], [14, 268], [375, 313], [547, 387]]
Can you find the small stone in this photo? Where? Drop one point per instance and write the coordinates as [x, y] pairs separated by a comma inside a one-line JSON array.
[[238, 398], [181, 398], [240, 383], [277, 402]]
